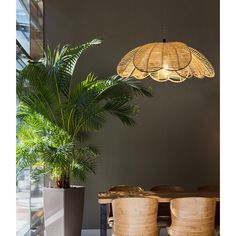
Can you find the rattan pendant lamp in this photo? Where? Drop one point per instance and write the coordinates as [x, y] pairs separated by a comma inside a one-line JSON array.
[[165, 61]]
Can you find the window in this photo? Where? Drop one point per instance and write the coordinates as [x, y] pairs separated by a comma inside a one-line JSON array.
[[29, 44]]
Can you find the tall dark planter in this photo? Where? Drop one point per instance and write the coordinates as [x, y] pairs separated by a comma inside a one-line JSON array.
[[63, 211]]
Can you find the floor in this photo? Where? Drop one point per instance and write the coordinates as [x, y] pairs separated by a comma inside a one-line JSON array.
[[95, 232]]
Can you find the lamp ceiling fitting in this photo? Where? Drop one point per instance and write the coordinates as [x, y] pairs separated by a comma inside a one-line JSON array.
[[165, 61]]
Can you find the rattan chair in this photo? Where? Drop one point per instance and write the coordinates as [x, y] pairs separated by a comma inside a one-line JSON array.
[[123, 188], [193, 216], [217, 230], [164, 216], [135, 217], [213, 188]]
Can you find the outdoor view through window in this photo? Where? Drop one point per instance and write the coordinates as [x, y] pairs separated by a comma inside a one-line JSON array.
[[29, 44]]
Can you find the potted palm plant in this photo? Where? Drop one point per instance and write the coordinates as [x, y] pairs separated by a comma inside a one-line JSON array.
[[55, 116]]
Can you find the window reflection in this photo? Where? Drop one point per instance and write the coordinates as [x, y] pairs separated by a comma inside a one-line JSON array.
[[23, 203], [36, 206], [23, 24], [29, 44], [21, 57]]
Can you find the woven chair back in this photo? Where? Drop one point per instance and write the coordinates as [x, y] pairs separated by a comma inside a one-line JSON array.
[[135, 217], [192, 216]]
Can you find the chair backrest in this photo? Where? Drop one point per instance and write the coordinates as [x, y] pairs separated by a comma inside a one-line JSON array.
[[126, 188], [167, 188], [209, 188], [123, 188], [135, 216], [192, 216]]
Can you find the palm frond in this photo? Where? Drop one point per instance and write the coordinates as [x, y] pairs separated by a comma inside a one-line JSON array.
[[63, 61], [116, 86], [120, 109], [84, 162], [54, 117]]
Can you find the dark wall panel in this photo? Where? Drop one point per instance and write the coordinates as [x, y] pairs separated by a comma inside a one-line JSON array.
[[176, 138]]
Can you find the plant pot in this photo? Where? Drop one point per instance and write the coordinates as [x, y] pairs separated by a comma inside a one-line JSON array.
[[63, 211]]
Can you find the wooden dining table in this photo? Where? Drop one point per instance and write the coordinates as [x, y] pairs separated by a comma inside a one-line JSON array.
[[105, 198]]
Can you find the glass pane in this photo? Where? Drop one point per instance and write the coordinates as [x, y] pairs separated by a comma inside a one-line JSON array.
[[36, 51], [23, 24], [21, 58], [23, 203], [37, 206], [29, 44]]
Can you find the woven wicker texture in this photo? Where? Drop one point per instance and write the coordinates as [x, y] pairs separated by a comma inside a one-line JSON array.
[[192, 216], [135, 217], [172, 61], [155, 56], [199, 67], [127, 69]]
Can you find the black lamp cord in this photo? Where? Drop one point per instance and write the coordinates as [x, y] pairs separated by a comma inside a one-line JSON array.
[[164, 17]]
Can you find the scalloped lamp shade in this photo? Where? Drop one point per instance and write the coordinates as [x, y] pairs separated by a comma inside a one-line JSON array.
[[165, 61]]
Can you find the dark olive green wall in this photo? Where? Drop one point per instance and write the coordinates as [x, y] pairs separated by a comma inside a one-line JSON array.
[[176, 138]]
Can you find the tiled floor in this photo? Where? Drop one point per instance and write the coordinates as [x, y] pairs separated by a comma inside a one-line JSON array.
[[94, 232]]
